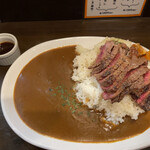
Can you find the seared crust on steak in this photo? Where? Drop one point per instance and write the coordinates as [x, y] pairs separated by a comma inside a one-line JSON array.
[[120, 71]]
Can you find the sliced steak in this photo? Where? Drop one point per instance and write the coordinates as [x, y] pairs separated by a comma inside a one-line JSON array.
[[120, 96], [133, 63], [105, 51], [108, 57], [147, 78], [106, 60], [118, 74], [137, 61], [136, 93], [128, 80], [144, 101], [141, 86], [133, 51], [137, 88], [124, 46], [120, 70], [115, 63]]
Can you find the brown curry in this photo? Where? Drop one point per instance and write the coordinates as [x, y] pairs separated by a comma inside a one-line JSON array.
[[45, 101]]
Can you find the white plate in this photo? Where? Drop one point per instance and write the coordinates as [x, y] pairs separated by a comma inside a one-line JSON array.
[[29, 135]]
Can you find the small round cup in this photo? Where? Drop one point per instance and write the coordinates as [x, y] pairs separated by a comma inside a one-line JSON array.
[[9, 57]]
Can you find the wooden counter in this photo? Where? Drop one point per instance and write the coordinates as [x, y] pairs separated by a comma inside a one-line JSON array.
[[32, 33]]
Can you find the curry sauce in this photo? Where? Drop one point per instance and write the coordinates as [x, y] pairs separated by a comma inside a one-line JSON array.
[[46, 102]]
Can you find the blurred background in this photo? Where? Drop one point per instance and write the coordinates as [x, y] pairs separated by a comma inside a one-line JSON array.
[[44, 10]]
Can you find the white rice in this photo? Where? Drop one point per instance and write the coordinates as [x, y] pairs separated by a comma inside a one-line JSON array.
[[88, 90]]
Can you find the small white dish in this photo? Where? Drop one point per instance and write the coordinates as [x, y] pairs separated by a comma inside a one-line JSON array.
[[9, 57], [33, 137]]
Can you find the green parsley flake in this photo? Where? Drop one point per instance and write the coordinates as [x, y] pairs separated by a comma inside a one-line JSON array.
[[63, 104], [50, 89], [67, 96], [73, 111]]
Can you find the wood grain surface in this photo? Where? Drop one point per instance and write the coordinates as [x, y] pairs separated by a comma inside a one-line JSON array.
[[31, 33]]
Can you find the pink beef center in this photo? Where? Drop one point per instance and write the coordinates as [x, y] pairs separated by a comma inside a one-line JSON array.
[[142, 97], [101, 54], [111, 64], [106, 95], [147, 77]]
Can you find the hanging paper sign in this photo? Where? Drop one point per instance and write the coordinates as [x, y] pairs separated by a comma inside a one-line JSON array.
[[113, 8]]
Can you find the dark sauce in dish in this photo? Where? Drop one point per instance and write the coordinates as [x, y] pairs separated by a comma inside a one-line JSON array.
[[5, 47], [45, 101]]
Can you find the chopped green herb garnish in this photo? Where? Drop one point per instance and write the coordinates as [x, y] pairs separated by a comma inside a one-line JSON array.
[[59, 91], [73, 111], [67, 96], [68, 102], [62, 91], [75, 107], [88, 113], [50, 89], [63, 104], [74, 102], [62, 97], [80, 113]]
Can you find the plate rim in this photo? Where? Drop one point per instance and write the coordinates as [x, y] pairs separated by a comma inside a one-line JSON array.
[[54, 146]]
